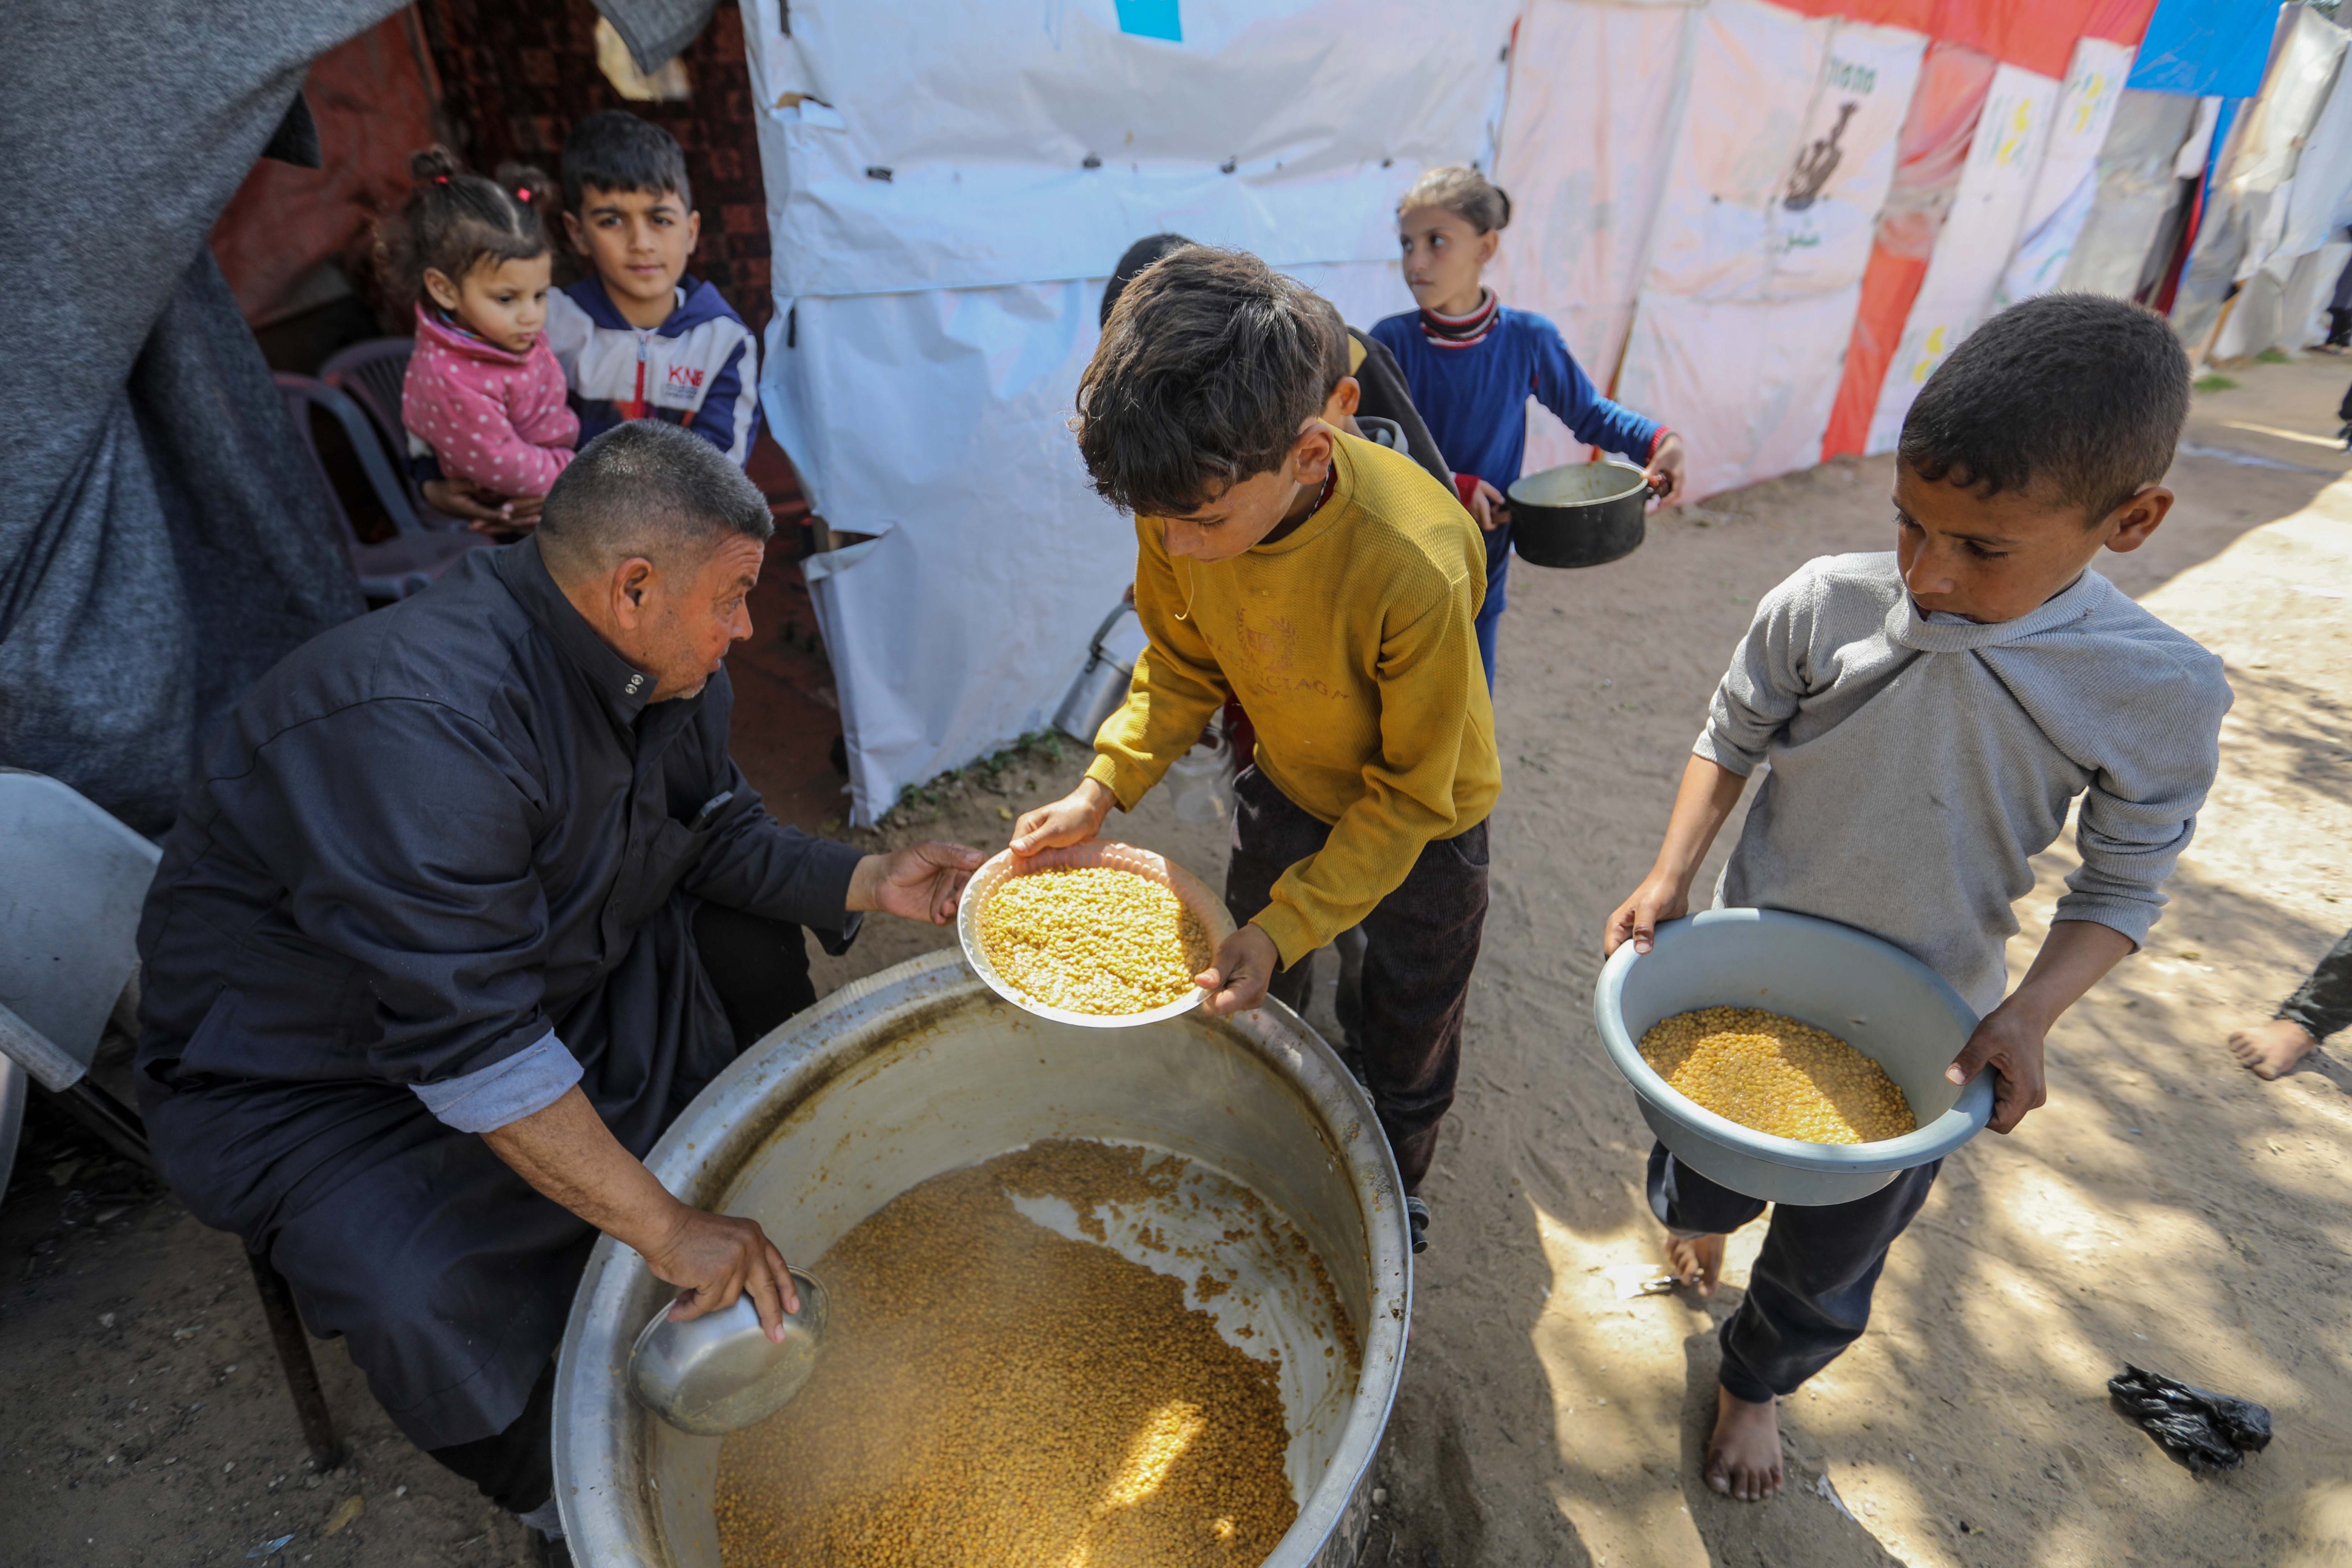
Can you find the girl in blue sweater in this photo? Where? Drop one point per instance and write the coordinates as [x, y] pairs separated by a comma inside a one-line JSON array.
[[1470, 362]]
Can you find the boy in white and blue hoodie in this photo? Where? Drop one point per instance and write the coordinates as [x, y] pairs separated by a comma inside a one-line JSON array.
[[639, 340], [1930, 716]]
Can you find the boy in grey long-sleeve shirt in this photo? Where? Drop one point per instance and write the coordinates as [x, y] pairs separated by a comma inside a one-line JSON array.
[[1930, 715]]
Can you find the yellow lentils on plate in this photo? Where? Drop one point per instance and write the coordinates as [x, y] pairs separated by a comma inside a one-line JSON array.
[[1778, 1076], [1095, 939]]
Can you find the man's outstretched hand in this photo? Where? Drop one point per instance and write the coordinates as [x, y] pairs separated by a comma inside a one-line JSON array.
[[923, 882], [1236, 978]]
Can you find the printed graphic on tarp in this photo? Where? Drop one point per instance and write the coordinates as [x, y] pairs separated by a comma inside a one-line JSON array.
[[945, 194], [1784, 157], [1781, 166], [1930, 154], [1596, 94], [1957, 294], [2068, 183]]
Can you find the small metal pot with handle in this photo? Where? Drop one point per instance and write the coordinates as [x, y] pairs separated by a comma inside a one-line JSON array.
[[1582, 514]]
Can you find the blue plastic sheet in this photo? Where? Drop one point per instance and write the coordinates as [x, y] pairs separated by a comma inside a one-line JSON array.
[[2206, 46]]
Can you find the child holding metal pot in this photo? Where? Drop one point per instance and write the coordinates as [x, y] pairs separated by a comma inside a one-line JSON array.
[[1929, 717], [1470, 362], [1332, 585]]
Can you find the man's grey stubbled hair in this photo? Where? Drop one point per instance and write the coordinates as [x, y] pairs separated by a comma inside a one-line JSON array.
[[651, 489]]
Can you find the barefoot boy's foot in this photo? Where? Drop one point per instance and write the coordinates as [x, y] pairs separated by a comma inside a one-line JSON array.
[[2270, 1048], [1696, 1260], [1743, 1456]]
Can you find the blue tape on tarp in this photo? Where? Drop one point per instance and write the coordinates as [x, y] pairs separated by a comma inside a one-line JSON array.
[[1152, 19]]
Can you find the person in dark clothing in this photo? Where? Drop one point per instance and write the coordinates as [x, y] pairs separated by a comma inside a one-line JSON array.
[[467, 902], [1404, 1033], [2339, 312], [2321, 1006]]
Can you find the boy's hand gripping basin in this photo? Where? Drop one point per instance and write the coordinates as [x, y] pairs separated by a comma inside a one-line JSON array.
[[1879, 999]]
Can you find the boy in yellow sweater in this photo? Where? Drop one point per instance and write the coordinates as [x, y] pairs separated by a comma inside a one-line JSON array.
[[1333, 586]]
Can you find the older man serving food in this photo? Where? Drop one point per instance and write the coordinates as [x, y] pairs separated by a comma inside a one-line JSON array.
[[466, 903]]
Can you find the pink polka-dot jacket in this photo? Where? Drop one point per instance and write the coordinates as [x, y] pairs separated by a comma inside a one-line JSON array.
[[498, 419]]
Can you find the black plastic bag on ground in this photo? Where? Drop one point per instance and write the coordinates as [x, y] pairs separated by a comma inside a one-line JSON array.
[[2204, 1430]]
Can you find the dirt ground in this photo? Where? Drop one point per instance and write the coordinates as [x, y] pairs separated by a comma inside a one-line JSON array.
[[2166, 1207]]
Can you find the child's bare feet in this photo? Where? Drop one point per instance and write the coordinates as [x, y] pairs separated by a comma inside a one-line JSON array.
[[2270, 1048], [1743, 1456], [1697, 1260]]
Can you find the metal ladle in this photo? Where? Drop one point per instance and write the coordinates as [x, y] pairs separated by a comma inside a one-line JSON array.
[[720, 1372]]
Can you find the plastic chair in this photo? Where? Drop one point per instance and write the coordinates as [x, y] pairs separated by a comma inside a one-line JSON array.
[[373, 375], [415, 555], [72, 880]]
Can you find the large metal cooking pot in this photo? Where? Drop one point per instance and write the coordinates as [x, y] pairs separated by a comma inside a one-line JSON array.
[[920, 1069]]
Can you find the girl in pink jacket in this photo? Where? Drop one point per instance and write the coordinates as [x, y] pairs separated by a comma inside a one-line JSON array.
[[484, 391]]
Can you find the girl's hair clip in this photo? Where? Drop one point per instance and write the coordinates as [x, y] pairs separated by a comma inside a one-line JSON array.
[[440, 178], [522, 196]]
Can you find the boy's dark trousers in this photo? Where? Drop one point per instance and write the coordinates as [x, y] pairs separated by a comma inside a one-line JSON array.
[[2324, 1005], [1421, 943], [1808, 1294]]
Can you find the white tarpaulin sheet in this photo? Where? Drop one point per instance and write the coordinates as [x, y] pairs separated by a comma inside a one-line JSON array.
[[935, 145], [2137, 188], [1763, 233], [2320, 204], [1596, 94], [2246, 217], [1978, 239], [939, 243], [2068, 183], [2309, 294]]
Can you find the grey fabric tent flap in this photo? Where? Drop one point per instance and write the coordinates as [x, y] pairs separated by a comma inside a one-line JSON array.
[[656, 30]]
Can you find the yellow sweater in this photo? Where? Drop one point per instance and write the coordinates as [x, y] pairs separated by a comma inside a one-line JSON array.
[[1352, 644]]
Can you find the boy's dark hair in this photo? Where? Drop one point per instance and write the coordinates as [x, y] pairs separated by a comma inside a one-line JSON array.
[[1336, 354], [453, 222], [2080, 394], [1139, 255], [1211, 366], [647, 488], [613, 150]]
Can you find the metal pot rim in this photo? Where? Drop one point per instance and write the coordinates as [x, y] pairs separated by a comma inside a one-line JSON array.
[[1638, 483]]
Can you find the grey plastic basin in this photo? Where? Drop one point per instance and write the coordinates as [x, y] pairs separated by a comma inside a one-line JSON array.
[[1875, 997]]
